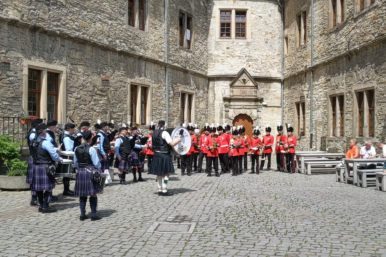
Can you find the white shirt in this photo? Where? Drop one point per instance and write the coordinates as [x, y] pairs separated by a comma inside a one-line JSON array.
[[367, 153], [166, 137], [384, 151]]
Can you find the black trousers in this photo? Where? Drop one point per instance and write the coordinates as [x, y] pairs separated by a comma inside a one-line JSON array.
[[230, 163], [255, 160], [149, 160], [280, 161], [223, 162], [240, 160], [212, 162], [245, 157], [235, 164], [200, 160], [267, 156], [291, 162], [185, 164], [193, 161]]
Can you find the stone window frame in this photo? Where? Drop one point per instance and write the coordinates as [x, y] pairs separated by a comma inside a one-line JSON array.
[[44, 68], [301, 28], [355, 91], [186, 45], [233, 10], [340, 12], [136, 14], [187, 93], [286, 44], [368, 5], [335, 95], [140, 85], [301, 120]]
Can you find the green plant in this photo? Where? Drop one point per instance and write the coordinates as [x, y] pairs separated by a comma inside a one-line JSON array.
[[17, 167], [14, 173], [8, 149], [26, 118]]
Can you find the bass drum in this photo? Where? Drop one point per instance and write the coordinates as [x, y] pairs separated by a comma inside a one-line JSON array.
[[183, 147]]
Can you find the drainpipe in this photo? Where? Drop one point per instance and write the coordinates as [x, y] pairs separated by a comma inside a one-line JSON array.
[[282, 61], [166, 61], [312, 76]]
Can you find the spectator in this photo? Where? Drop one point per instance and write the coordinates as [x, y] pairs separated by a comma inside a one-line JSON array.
[[353, 152], [368, 152]]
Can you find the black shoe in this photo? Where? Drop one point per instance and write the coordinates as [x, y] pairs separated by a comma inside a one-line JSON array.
[[257, 172], [252, 172], [48, 210], [183, 174], [54, 198], [141, 180], [124, 183], [189, 174], [34, 203], [166, 194], [120, 182], [96, 217], [68, 193], [199, 171], [209, 175], [135, 180], [40, 209], [217, 174], [82, 218]]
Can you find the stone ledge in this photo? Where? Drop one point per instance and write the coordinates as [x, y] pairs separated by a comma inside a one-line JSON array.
[[365, 10]]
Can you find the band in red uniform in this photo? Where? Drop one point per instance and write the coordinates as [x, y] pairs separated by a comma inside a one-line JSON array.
[[268, 141], [234, 152], [196, 147], [223, 149], [203, 149], [212, 152], [247, 142], [186, 159], [281, 140], [255, 145], [291, 143], [229, 133]]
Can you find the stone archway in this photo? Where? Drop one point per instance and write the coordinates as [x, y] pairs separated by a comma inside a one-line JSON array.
[[246, 121]]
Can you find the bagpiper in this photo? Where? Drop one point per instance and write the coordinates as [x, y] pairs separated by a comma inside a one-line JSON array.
[[67, 142], [137, 157], [44, 156], [256, 145], [224, 142], [87, 162], [30, 137], [281, 140], [122, 152], [162, 165], [291, 144], [268, 141], [104, 147]]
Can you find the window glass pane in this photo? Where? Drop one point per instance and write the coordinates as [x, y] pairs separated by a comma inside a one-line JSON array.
[[52, 82], [32, 104]]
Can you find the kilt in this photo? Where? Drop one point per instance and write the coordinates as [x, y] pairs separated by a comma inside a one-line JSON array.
[[30, 173], [105, 164], [122, 165], [162, 164], [137, 159], [83, 183], [40, 180]]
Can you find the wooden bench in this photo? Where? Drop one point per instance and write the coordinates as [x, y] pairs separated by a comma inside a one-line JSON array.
[[380, 182], [367, 177], [320, 164], [339, 174]]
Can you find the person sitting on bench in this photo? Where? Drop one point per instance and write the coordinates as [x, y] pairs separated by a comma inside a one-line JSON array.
[[367, 152]]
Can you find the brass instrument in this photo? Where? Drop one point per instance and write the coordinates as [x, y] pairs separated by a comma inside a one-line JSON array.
[[262, 153]]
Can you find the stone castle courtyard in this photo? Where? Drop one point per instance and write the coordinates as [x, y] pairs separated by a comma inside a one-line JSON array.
[[272, 214]]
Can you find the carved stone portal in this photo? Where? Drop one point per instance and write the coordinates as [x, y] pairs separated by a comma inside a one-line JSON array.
[[243, 98]]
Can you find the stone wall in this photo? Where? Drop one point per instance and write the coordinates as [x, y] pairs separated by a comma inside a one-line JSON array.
[[260, 54]]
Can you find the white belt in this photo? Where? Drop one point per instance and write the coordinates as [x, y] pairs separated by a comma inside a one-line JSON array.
[[224, 145]]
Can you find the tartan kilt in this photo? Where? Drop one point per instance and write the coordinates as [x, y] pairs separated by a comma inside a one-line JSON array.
[[40, 180], [105, 164], [30, 173], [83, 184], [122, 165], [162, 164], [136, 159]]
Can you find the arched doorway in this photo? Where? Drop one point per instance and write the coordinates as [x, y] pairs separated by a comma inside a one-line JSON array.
[[246, 121]]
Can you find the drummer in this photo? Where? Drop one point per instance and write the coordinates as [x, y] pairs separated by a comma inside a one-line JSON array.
[[87, 162], [68, 145], [162, 165]]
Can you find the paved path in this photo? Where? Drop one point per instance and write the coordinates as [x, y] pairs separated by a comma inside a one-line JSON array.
[[248, 215]]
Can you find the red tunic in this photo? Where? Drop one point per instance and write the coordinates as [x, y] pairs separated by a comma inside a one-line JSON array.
[[210, 143], [247, 140], [149, 150], [241, 149], [234, 151], [268, 142], [194, 141], [283, 140], [292, 141], [256, 142], [203, 143], [224, 143]]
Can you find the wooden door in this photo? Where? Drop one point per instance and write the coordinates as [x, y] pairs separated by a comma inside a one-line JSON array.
[[246, 121]]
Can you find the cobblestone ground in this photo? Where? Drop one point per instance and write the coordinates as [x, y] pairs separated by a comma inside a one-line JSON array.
[[248, 215]]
